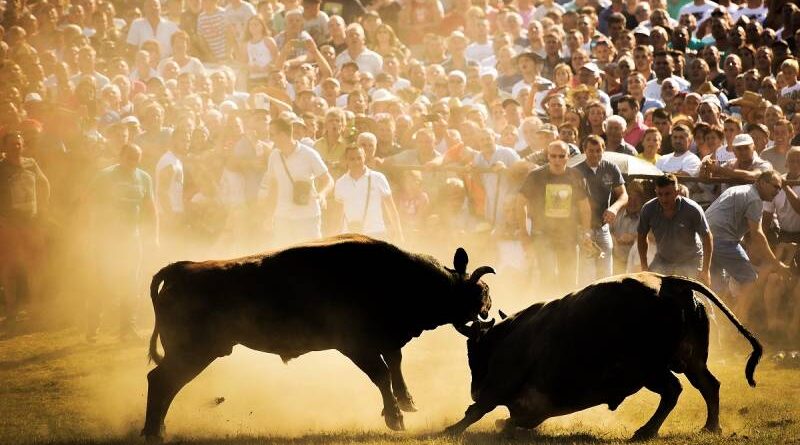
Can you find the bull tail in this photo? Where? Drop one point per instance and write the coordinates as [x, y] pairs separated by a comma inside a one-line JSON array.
[[153, 353], [755, 356]]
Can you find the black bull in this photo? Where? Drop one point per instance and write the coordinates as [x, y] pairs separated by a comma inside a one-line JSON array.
[[598, 346], [362, 297]]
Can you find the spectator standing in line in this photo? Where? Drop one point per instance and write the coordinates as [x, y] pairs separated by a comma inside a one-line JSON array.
[[121, 200], [213, 27], [607, 197], [681, 161], [736, 212], [366, 199], [152, 27], [497, 184], [24, 196], [295, 186], [553, 197], [683, 239]]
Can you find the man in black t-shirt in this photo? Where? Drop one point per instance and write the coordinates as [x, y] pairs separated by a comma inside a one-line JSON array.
[[554, 198]]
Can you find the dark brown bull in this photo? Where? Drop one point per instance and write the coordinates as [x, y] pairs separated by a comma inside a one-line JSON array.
[[362, 297], [598, 346]]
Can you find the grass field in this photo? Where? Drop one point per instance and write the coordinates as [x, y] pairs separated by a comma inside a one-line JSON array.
[[56, 388]]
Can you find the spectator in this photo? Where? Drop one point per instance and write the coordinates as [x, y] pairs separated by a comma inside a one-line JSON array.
[[614, 129], [152, 27], [607, 197], [366, 197], [683, 240], [681, 161], [736, 212], [554, 199]]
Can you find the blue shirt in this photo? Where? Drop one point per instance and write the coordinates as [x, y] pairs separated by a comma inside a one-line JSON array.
[[677, 238], [600, 183]]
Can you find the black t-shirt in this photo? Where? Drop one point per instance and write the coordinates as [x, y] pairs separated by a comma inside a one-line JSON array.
[[600, 185], [553, 201]]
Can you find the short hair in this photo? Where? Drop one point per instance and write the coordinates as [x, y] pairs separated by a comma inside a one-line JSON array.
[[616, 119], [661, 113], [650, 130], [785, 122], [768, 175], [630, 100], [790, 63], [733, 120], [666, 180], [559, 144], [593, 139]]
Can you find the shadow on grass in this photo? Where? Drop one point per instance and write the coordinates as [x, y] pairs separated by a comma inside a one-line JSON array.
[[472, 438]]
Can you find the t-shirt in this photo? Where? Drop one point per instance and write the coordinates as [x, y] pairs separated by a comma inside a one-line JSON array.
[[352, 193], [141, 31], [368, 61], [119, 198], [687, 162], [677, 238], [490, 181], [758, 14], [776, 158], [239, 16], [304, 164], [600, 183], [697, 11], [18, 197], [788, 218], [553, 201], [212, 28], [728, 215]]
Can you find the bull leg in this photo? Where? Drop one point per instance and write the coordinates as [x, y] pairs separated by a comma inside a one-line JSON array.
[[394, 359], [375, 368], [474, 413], [669, 388], [163, 384], [708, 385]]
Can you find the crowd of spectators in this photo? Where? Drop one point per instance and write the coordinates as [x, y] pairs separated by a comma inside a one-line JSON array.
[[139, 132]]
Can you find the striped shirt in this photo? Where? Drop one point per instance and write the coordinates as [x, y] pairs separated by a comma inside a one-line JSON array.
[[211, 27]]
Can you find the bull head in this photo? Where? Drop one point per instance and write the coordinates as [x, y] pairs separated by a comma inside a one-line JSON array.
[[479, 272], [474, 330]]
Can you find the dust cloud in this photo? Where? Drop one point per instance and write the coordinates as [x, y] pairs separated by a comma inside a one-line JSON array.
[[254, 393]]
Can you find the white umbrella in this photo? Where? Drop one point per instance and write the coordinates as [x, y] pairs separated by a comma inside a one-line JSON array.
[[629, 165]]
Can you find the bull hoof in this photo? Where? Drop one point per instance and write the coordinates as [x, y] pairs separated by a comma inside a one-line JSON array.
[[394, 419], [453, 430], [153, 440], [406, 404], [711, 430], [642, 435]]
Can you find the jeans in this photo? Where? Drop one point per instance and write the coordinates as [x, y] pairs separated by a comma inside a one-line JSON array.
[[595, 268], [730, 261]]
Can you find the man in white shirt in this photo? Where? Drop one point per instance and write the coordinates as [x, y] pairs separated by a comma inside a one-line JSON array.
[[481, 48], [86, 65], [295, 185], [367, 60], [681, 161], [152, 27], [366, 199], [497, 184], [663, 66]]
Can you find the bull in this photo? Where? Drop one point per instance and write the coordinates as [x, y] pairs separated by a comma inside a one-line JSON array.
[[362, 297], [598, 346]]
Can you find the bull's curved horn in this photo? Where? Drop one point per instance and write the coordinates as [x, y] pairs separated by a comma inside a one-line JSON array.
[[479, 272], [503, 315], [463, 329]]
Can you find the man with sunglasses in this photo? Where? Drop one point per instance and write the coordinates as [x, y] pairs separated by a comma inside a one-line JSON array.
[[736, 212], [555, 200]]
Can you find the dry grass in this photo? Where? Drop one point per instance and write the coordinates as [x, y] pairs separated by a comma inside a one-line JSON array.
[[58, 389]]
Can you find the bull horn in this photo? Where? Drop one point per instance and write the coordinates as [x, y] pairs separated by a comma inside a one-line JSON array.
[[463, 329], [503, 315], [479, 272]]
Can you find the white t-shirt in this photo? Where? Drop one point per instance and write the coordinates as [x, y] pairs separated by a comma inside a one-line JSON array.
[[653, 88], [479, 51], [759, 13], [723, 155], [175, 186], [193, 66], [687, 162], [352, 193], [141, 31], [791, 91], [697, 11], [304, 164], [788, 219], [368, 61]]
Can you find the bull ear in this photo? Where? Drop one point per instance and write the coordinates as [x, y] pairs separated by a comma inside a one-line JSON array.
[[460, 260], [503, 315]]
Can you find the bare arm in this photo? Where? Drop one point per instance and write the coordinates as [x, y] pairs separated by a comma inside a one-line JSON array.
[[734, 173], [708, 252], [613, 210], [324, 184], [390, 210], [760, 243], [641, 246], [792, 197]]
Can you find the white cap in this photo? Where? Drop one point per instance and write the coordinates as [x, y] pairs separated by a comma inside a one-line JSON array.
[[383, 95], [33, 97], [130, 120], [458, 73], [488, 71], [591, 66], [742, 139]]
